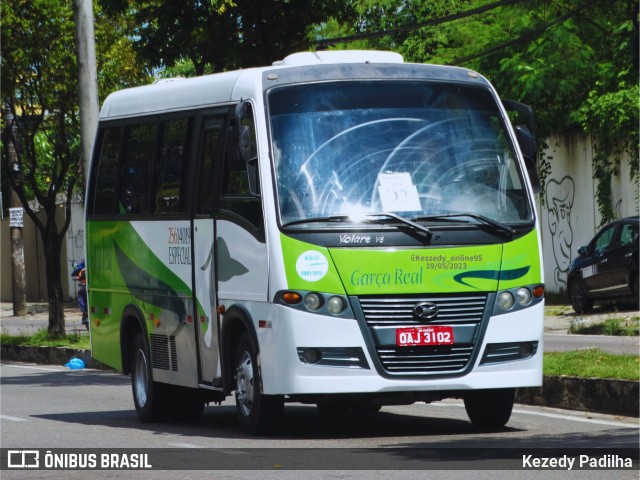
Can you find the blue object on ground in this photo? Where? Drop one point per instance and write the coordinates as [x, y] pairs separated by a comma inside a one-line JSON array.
[[75, 364]]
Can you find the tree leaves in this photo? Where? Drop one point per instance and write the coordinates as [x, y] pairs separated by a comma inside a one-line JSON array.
[[573, 62], [222, 35]]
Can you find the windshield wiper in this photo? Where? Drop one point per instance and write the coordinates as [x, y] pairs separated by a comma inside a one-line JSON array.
[[406, 221], [366, 217], [331, 218], [500, 227]]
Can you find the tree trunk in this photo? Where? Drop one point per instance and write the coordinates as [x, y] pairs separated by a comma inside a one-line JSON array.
[[18, 277], [52, 245]]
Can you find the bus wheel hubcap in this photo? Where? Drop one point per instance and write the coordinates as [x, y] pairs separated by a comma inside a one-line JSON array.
[[141, 381], [244, 384]]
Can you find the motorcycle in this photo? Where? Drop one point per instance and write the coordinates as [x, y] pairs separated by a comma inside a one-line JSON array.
[[79, 274]]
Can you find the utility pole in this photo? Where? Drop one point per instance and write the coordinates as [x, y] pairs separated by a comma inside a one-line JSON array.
[[87, 79], [16, 211]]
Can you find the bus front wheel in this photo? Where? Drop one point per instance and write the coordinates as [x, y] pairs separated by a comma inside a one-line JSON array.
[[148, 397], [257, 413], [489, 408]]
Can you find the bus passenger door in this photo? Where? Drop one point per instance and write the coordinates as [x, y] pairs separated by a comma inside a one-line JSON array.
[[209, 153]]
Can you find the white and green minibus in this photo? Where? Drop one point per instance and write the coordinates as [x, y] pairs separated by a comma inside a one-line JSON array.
[[341, 229]]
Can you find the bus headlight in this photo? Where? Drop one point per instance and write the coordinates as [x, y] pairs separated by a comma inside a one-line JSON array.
[[506, 300], [523, 296], [335, 305], [312, 301], [518, 298], [319, 303]]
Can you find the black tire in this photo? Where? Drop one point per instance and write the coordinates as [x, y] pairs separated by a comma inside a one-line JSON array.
[[257, 413], [580, 302], [149, 397], [489, 408]]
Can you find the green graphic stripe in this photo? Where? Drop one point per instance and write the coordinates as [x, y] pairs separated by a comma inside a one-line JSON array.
[[146, 288], [492, 274]]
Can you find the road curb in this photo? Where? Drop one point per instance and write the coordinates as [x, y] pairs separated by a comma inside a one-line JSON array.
[[49, 355], [617, 397]]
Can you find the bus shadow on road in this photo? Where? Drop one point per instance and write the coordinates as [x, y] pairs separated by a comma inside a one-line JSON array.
[[299, 422]]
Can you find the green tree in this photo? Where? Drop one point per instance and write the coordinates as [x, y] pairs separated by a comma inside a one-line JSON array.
[[575, 63], [218, 35], [40, 117]]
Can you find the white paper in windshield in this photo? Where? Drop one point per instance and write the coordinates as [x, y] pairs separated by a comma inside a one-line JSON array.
[[397, 192]]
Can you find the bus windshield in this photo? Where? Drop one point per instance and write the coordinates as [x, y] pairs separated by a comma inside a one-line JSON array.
[[419, 150]]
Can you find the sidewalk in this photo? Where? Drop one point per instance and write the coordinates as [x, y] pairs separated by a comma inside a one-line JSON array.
[[37, 317], [563, 317]]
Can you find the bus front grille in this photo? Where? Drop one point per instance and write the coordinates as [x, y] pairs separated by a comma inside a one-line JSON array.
[[424, 359], [384, 314], [398, 311]]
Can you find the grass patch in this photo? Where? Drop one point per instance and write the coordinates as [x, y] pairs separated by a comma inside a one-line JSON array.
[[41, 338], [557, 310], [611, 326], [592, 363]]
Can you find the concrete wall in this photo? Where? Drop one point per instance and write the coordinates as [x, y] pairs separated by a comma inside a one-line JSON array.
[[569, 217]]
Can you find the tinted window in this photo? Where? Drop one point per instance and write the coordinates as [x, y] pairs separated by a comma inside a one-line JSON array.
[[236, 196], [138, 153], [210, 153], [604, 239], [172, 166], [105, 175], [629, 234]]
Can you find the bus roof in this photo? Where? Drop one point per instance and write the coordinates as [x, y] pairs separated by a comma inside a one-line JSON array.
[[185, 93], [174, 95], [340, 56]]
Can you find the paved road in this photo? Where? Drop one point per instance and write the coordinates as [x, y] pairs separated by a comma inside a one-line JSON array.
[[50, 407], [556, 342]]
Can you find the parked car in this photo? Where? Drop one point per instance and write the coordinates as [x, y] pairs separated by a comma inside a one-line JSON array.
[[607, 267]]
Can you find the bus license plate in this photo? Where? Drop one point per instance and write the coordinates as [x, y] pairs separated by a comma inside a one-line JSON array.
[[421, 336]]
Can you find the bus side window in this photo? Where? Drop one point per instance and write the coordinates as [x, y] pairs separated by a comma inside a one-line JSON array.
[[105, 175], [171, 169], [135, 179], [236, 196], [210, 153]]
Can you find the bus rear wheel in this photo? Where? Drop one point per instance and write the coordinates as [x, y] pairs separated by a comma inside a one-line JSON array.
[[257, 413], [148, 396], [489, 408]]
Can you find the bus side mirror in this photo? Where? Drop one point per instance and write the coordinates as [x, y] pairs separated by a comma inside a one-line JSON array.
[[528, 148], [526, 139]]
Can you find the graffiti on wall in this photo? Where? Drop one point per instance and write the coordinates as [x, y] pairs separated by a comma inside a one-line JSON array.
[[559, 200], [76, 244]]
